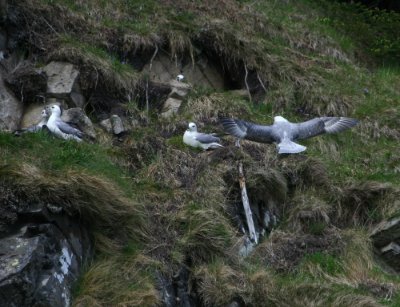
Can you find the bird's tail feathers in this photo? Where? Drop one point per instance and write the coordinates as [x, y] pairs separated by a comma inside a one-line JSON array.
[[287, 146]]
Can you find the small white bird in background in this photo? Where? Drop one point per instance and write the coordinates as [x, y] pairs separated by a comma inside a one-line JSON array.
[[36, 128], [283, 132], [202, 140], [180, 77], [60, 128]]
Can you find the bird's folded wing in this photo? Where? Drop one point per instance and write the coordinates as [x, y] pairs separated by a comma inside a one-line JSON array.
[[64, 127], [206, 138]]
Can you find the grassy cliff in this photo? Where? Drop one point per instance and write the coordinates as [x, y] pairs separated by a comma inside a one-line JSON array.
[[155, 205]]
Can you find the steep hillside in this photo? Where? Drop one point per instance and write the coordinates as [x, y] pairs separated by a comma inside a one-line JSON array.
[[165, 221]]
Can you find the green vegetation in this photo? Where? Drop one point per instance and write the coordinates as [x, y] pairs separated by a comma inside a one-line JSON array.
[[156, 205]]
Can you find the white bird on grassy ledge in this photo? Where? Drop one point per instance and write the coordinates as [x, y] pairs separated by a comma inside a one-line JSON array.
[[283, 132], [202, 140], [60, 128]]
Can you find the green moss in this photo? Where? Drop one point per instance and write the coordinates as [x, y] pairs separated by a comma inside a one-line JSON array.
[[176, 141], [54, 155], [328, 263]]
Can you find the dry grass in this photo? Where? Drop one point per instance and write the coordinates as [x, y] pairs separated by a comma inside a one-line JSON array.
[[95, 200], [366, 202], [208, 107], [120, 281], [283, 251], [206, 233], [308, 213], [219, 284], [358, 255]]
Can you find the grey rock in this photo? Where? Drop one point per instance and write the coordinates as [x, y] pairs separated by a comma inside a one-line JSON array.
[[26, 81], [78, 100], [106, 125], [201, 72], [178, 89], [117, 125], [61, 77], [78, 117], [386, 239], [41, 253], [32, 115], [386, 232], [10, 109], [171, 107], [3, 40], [62, 83]]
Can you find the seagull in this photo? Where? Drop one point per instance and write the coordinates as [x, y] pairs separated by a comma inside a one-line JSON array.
[[36, 128], [60, 128], [196, 139], [283, 132]]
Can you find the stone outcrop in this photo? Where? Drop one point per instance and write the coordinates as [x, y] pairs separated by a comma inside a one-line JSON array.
[[78, 117], [179, 90], [27, 82], [202, 73], [10, 109], [386, 239], [42, 251], [62, 83], [171, 107], [32, 115]]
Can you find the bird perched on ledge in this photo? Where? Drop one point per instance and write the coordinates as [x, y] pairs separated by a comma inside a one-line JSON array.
[[60, 128], [284, 133], [196, 139]]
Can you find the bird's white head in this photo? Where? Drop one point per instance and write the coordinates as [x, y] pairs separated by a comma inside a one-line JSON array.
[[55, 109], [44, 113], [192, 127], [280, 119]]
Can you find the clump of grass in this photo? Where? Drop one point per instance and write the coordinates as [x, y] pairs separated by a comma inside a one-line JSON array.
[[122, 280], [283, 251], [208, 107], [366, 202], [219, 283], [308, 213], [96, 200], [327, 263], [54, 155], [206, 233]]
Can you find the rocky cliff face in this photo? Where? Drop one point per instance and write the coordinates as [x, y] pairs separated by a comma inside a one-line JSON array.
[[42, 252], [168, 224]]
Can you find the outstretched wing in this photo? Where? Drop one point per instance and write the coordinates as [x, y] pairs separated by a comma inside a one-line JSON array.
[[322, 125], [206, 138], [64, 127], [246, 130]]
